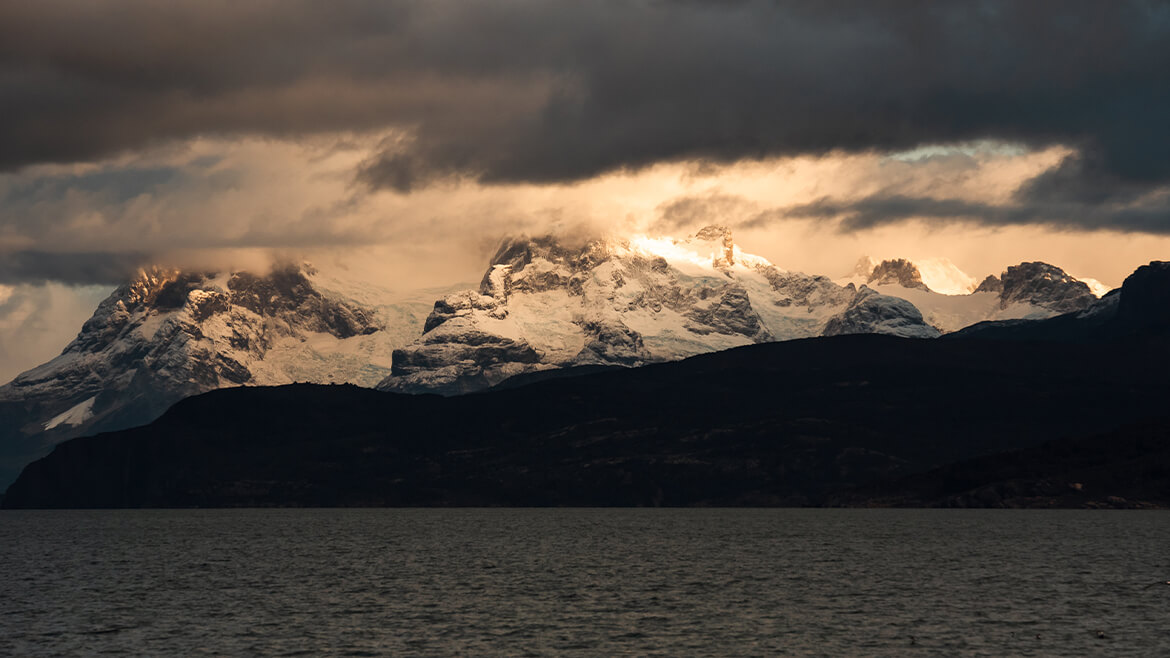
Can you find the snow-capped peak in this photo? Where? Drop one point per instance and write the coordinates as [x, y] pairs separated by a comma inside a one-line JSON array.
[[938, 274], [1096, 287], [711, 248], [949, 298], [625, 301], [943, 276]]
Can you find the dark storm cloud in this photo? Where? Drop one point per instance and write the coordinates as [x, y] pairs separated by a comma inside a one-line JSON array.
[[116, 185], [880, 209], [692, 211], [73, 269], [561, 91]]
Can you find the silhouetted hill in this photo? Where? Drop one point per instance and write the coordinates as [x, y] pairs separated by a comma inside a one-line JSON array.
[[776, 424], [1125, 468]]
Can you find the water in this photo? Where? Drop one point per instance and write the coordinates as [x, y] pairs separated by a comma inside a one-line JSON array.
[[585, 582]]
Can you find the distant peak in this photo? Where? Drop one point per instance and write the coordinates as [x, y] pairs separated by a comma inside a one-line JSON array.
[[943, 276], [1016, 276], [1044, 285], [990, 284], [864, 267], [721, 235], [936, 274], [897, 271], [714, 232]]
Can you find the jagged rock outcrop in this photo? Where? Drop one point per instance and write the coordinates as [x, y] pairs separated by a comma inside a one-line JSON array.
[[170, 334], [898, 271], [542, 305]]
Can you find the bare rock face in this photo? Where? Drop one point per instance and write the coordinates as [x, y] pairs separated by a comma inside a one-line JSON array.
[[287, 294], [1046, 286], [808, 291], [543, 305], [609, 341], [169, 334], [728, 311], [897, 271]]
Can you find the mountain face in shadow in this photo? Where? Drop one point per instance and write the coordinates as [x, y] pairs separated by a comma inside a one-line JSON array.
[[1125, 468], [792, 423]]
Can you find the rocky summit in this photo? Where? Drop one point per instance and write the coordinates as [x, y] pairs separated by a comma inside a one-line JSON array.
[[897, 271], [1046, 286]]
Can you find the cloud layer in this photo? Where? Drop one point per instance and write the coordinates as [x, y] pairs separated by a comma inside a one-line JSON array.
[[527, 91], [400, 139], [134, 130]]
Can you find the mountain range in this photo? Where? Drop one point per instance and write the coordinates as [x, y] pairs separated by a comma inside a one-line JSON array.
[[541, 306], [976, 418], [636, 301]]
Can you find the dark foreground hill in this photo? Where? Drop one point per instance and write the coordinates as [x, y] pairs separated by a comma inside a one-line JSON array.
[[795, 423], [1126, 468]]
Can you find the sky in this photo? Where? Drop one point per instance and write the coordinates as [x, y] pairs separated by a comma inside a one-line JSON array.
[[400, 141]]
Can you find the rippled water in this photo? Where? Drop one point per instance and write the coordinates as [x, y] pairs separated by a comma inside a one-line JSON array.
[[585, 582]]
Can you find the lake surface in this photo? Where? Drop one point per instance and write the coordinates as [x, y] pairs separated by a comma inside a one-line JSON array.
[[585, 582]]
